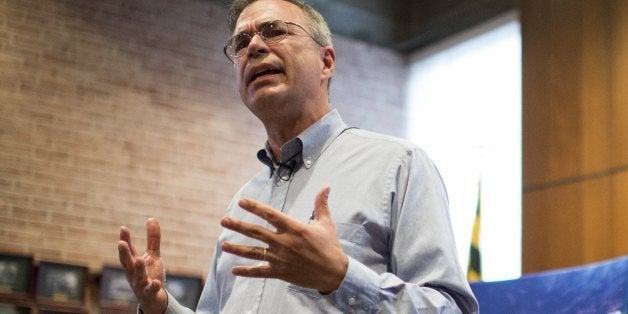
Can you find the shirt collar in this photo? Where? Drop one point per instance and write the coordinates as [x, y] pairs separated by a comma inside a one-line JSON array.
[[309, 145]]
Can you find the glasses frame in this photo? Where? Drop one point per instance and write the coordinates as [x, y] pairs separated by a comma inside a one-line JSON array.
[[267, 40]]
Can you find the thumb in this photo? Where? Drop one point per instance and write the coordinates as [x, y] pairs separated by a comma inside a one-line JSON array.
[[151, 300], [321, 207], [153, 288]]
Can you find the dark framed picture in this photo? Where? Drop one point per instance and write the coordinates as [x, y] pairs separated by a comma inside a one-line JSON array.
[[61, 283], [13, 309], [186, 289], [15, 275], [114, 288]]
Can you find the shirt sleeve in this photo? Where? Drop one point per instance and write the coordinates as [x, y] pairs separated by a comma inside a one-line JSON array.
[[424, 274], [209, 296], [174, 307]]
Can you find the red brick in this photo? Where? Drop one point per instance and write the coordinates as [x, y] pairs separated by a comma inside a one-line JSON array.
[[116, 111]]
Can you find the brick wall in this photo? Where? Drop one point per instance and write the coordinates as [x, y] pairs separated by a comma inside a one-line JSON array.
[[115, 111]]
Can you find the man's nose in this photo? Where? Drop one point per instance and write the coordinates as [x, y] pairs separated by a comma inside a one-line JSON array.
[[257, 46]]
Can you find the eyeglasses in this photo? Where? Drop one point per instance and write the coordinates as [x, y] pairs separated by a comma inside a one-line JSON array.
[[271, 33]]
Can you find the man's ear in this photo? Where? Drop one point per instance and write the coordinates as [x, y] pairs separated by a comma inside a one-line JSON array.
[[328, 57]]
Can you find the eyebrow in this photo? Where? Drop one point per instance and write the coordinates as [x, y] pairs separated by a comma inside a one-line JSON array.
[[259, 26], [262, 24]]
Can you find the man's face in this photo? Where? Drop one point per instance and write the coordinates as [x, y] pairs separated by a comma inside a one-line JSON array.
[[272, 76]]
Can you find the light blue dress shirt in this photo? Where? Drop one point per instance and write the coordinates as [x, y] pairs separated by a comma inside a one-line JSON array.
[[390, 209]]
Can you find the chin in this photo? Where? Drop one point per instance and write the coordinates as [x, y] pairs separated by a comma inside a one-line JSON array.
[[266, 96]]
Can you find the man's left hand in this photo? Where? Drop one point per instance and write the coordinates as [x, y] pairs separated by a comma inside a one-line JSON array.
[[307, 255]]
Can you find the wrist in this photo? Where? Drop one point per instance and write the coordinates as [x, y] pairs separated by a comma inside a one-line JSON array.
[[154, 307], [337, 277]]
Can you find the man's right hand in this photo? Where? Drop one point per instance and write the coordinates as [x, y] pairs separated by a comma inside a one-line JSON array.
[[146, 273]]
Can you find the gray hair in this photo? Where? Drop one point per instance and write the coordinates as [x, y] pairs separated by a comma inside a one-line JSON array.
[[317, 26]]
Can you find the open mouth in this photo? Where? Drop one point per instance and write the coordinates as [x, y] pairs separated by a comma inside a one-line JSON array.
[[264, 72]]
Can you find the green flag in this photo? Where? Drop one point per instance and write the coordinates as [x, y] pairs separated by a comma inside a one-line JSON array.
[[474, 270]]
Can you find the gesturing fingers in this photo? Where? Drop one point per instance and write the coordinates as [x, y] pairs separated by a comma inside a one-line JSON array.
[[276, 218], [153, 236], [250, 252], [263, 271], [140, 279], [126, 252], [321, 207], [125, 235], [250, 230]]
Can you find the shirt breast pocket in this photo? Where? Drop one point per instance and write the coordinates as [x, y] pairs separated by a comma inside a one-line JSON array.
[[354, 239]]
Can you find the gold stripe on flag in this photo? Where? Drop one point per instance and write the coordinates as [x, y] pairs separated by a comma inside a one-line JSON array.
[[474, 270]]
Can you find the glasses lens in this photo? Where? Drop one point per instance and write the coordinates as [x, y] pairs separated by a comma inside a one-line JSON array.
[[274, 31], [238, 44], [271, 33]]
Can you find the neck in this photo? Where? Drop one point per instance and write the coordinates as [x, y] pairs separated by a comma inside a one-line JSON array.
[[281, 131]]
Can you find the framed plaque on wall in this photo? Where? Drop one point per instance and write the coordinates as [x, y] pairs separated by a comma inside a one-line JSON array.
[[186, 289], [15, 275], [16, 284], [61, 288], [116, 295]]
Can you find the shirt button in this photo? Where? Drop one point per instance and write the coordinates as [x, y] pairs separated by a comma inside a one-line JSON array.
[[352, 301], [308, 161]]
